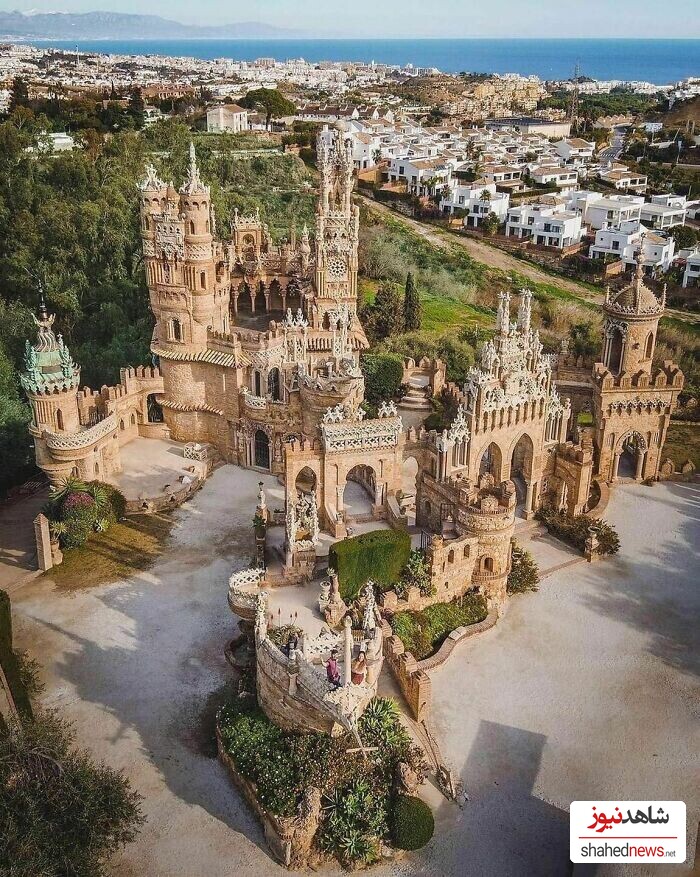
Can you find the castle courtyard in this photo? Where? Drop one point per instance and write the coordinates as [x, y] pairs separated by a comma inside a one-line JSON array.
[[575, 688]]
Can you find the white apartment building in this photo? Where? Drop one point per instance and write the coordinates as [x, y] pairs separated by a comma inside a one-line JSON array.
[[366, 148], [691, 275], [422, 175], [477, 200], [228, 118], [549, 225], [627, 239]]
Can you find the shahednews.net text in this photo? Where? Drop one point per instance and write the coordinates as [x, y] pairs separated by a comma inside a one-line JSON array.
[[626, 850]]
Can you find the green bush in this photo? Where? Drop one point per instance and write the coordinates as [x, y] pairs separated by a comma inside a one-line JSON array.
[[383, 373], [9, 660], [380, 555], [574, 530], [61, 813], [422, 633], [412, 823], [415, 574], [356, 790], [79, 508], [524, 574]]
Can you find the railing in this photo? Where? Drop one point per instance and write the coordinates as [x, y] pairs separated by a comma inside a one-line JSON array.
[[60, 441], [251, 401], [244, 589]]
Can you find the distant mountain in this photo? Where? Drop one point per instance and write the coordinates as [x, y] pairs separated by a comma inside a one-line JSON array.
[[116, 25]]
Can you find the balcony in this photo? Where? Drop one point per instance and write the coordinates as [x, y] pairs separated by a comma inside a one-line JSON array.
[[71, 441]]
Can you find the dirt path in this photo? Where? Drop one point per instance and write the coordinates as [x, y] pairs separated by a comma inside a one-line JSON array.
[[496, 258]]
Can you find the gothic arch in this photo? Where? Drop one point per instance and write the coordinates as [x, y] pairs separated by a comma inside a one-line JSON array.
[[522, 454], [491, 461]]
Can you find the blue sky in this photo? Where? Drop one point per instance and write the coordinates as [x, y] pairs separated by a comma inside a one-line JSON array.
[[428, 18]]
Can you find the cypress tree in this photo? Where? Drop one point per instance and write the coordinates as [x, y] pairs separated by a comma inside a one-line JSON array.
[[411, 305]]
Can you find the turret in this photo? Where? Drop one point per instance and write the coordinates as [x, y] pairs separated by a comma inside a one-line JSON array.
[[631, 323], [50, 379]]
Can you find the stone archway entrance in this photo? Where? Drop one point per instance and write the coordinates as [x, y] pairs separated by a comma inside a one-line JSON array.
[[629, 459], [359, 493], [491, 462], [521, 474], [305, 481], [261, 448]]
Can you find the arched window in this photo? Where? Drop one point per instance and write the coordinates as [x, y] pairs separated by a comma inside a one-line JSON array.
[[487, 564], [257, 383], [649, 351], [203, 279], [615, 355], [262, 450], [451, 556], [59, 419], [133, 419], [191, 227], [121, 426], [176, 330], [273, 384], [466, 551]]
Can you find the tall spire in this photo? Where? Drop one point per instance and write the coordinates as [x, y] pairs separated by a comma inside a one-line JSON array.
[[193, 185], [525, 310]]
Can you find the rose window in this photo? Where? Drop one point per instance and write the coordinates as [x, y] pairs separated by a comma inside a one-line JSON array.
[[336, 269]]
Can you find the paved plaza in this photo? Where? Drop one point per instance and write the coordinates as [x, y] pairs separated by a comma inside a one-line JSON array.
[[587, 688]]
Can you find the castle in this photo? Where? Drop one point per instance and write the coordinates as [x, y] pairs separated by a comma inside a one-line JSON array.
[[258, 350]]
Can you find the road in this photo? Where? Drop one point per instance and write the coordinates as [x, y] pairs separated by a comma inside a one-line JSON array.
[[493, 257], [612, 152]]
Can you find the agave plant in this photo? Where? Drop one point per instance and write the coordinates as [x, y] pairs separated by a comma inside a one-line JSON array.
[[58, 529], [99, 494], [101, 524]]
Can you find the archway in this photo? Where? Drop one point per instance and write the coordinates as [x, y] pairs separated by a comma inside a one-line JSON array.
[[491, 462], [262, 449], [521, 471], [409, 489], [305, 481], [260, 301], [244, 304], [359, 491], [293, 297], [632, 451], [155, 411]]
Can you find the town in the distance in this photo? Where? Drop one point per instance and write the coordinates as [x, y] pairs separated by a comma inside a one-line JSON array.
[[349, 425]]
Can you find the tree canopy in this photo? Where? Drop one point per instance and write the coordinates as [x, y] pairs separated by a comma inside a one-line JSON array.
[[270, 101]]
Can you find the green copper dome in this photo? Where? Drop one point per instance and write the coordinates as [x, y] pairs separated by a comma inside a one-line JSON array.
[[48, 365]]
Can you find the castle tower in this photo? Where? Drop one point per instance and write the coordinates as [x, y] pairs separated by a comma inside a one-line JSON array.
[[632, 402], [337, 226], [631, 324], [50, 379]]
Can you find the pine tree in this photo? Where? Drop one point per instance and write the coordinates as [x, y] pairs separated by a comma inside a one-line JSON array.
[[384, 317], [19, 94], [411, 305], [137, 108]]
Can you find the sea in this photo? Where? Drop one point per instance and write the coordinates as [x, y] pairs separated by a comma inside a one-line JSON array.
[[658, 61]]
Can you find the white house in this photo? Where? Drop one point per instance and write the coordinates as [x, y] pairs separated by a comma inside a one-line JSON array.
[[614, 210], [574, 150], [477, 200], [365, 149], [422, 175], [549, 225], [623, 179], [664, 211], [691, 275], [562, 177], [627, 239], [227, 117]]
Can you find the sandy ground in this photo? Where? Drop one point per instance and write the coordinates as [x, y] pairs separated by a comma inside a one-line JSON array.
[[587, 688]]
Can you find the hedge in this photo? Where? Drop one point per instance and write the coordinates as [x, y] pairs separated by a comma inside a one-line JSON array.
[[380, 555], [422, 633], [8, 659], [412, 824], [575, 529], [383, 373]]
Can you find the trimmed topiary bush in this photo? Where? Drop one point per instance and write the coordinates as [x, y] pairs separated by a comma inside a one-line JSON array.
[[380, 555], [412, 823]]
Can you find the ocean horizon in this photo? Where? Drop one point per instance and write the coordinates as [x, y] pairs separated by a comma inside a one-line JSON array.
[[660, 61]]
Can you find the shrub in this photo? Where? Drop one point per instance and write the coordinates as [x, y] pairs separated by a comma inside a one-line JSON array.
[[62, 814], [79, 508], [524, 574], [422, 633], [383, 373], [379, 555], [415, 575], [412, 823], [574, 530]]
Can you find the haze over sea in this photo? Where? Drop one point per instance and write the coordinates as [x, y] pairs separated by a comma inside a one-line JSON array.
[[658, 61]]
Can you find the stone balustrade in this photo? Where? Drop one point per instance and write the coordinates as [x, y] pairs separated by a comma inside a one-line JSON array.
[[69, 441]]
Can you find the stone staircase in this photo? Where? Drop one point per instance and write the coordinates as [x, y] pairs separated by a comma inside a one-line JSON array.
[[416, 399]]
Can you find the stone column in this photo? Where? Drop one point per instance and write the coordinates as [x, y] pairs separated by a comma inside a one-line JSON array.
[[43, 542], [616, 463], [640, 464], [347, 650], [378, 491], [529, 512], [339, 498]]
